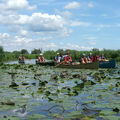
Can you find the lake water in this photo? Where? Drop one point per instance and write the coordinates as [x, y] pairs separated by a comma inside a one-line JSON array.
[[27, 61], [32, 92]]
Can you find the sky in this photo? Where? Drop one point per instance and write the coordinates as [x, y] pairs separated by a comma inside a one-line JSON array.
[[59, 24]]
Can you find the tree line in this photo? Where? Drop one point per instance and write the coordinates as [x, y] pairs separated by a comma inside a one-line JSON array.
[[50, 54]]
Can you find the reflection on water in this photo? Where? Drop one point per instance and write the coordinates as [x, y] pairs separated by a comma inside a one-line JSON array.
[[27, 61]]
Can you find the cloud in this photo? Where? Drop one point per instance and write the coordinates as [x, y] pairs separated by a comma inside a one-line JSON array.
[[79, 23], [90, 5], [17, 4], [91, 40], [76, 47], [65, 14], [12, 6], [51, 45], [39, 22], [72, 5]]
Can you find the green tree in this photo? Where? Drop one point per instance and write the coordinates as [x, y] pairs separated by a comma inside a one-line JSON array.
[[1, 53], [36, 51], [24, 51]]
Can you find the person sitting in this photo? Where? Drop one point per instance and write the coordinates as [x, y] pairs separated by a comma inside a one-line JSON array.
[[102, 58], [22, 58], [58, 58], [95, 58], [67, 58], [84, 59], [41, 58], [90, 58]]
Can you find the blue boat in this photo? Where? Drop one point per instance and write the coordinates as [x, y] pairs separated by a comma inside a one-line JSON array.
[[107, 64]]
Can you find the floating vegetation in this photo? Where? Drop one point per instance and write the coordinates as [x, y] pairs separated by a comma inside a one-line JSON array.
[[48, 93]]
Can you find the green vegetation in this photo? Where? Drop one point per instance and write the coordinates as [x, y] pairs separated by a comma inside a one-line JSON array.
[[49, 54], [32, 92]]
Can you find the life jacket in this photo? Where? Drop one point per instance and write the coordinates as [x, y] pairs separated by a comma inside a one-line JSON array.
[[85, 59], [102, 58], [22, 58], [95, 58], [68, 58], [41, 59]]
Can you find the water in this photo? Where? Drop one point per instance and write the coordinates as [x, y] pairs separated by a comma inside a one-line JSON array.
[[27, 61], [52, 93]]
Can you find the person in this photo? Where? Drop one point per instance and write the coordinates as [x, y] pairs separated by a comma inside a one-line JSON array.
[[41, 58], [22, 58], [58, 58], [84, 59], [95, 58], [102, 58], [67, 58], [90, 58]]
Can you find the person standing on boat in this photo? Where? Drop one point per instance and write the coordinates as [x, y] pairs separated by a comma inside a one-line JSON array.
[[58, 58], [41, 58], [95, 58], [84, 59], [67, 58]]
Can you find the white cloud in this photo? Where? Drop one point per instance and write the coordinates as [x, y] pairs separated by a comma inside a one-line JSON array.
[[65, 14], [51, 45], [32, 7], [90, 5], [76, 47], [12, 6], [23, 33], [78, 23], [91, 40], [17, 4], [72, 5], [39, 22]]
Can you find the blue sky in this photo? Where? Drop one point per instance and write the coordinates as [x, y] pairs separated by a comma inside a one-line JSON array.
[[59, 24]]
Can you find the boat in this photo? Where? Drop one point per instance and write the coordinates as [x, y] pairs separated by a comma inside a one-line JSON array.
[[107, 64], [21, 61], [94, 65], [45, 63]]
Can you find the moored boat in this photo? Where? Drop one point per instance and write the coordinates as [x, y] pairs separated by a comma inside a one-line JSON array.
[[94, 65], [107, 64]]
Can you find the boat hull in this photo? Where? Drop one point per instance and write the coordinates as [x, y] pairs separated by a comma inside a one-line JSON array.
[[107, 64], [51, 63], [94, 65]]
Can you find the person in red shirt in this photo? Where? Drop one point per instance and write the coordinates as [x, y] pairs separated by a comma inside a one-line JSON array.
[[41, 58], [22, 57], [95, 58], [67, 58]]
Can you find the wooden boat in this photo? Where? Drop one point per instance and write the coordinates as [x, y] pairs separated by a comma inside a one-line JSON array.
[[46, 63], [94, 65], [107, 64], [21, 61]]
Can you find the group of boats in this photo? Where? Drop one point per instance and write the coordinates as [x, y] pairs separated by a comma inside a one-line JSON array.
[[93, 65]]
